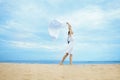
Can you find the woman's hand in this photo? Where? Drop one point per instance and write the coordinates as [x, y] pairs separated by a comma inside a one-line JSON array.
[[69, 26]]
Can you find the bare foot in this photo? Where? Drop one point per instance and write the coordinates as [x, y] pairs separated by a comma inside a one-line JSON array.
[[61, 63], [70, 63]]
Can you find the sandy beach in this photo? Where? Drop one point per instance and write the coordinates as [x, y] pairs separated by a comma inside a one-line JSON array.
[[13, 71]]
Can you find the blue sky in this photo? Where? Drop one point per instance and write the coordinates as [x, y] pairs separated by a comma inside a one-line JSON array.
[[24, 29]]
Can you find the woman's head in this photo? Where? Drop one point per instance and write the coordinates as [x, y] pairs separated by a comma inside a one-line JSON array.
[[67, 23]]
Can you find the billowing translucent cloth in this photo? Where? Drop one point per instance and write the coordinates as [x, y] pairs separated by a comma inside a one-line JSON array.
[[54, 28]]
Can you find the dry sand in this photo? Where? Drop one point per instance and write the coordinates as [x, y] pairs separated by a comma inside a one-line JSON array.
[[59, 72]]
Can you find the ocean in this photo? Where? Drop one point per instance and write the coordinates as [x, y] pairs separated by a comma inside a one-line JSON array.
[[57, 62]]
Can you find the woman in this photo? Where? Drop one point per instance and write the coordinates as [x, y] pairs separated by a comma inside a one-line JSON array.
[[70, 44]]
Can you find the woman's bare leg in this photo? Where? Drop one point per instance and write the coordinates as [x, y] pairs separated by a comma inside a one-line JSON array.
[[70, 58], [64, 57]]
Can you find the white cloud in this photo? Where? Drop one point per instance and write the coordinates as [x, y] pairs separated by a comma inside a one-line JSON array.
[[34, 45], [24, 11], [25, 36], [30, 11], [95, 47], [102, 38], [90, 17], [113, 14], [25, 44], [55, 2], [18, 26], [25, 16]]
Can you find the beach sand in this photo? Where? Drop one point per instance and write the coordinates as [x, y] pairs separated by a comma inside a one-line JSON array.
[[13, 71]]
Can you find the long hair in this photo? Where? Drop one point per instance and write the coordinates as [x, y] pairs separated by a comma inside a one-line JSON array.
[[68, 32]]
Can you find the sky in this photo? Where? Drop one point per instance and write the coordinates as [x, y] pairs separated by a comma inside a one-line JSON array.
[[24, 29]]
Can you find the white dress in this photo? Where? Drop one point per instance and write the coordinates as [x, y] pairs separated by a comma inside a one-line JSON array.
[[70, 44]]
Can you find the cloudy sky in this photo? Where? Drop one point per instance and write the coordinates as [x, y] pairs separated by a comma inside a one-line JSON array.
[[24, 29]]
